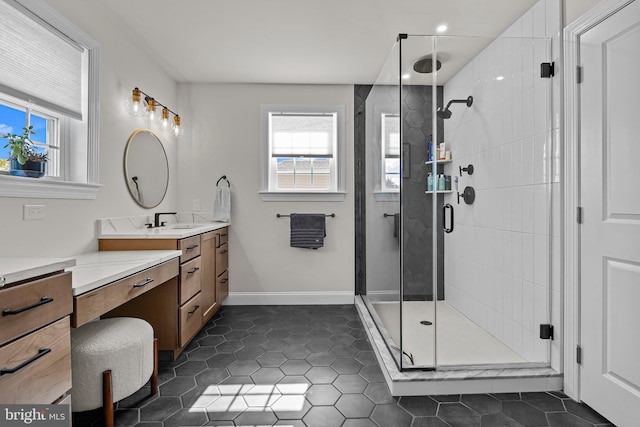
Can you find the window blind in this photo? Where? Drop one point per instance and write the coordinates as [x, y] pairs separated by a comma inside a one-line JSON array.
[[37, 64], [302, 135], [391, 135]]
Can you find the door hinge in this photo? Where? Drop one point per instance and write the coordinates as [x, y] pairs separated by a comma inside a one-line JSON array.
[[546, 332], [579, 214], [547, 70], [578, 74], [579, 355]]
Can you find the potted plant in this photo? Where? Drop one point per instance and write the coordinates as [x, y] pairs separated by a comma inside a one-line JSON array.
[[24, 159]]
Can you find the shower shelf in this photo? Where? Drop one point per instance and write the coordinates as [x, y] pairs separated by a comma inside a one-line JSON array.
[[439, 192], [439, 162]]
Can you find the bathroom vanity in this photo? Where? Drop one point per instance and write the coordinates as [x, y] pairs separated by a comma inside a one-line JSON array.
[[35, 348], [178, 309]]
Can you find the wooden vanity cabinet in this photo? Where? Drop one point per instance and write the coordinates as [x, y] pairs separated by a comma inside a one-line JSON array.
[[35, 342], [197, 297]]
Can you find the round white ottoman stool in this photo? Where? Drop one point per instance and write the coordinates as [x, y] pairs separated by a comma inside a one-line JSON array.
[[111, 359]]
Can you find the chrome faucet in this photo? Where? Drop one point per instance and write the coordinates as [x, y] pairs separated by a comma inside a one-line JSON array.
[[156, 218]]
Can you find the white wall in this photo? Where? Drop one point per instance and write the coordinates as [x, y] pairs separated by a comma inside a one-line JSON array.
[[69, 227], [576, 8], [224, 138], [497, 268]]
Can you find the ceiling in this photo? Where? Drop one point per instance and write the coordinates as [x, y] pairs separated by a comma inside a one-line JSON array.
[[302, 41]]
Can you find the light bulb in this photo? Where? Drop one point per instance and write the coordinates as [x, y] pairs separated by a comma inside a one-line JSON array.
[[178, 131], [134, 104], [164, 122], [153, 117]]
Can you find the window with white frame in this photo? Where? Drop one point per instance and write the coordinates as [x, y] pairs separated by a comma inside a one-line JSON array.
[[15, 117], [390, 141], [302, 150], [49, 81]]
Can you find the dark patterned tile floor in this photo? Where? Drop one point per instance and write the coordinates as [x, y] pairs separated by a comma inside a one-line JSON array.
[[308, 366]]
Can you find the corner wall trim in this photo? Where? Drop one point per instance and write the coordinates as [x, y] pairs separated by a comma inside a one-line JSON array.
[[290, 298]]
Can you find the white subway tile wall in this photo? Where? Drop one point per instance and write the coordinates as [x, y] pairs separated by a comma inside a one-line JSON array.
[[500, 271]]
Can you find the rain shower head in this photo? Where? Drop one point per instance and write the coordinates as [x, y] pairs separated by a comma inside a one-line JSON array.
[[425, 65], [446, 113]]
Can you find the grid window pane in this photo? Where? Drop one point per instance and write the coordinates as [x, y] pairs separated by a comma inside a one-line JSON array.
[[13, 119], [302, 174]]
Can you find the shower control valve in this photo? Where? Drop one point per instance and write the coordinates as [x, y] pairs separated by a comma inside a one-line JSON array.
[[468, 169]]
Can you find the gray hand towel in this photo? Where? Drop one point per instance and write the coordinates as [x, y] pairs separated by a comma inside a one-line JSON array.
[[307, 231]]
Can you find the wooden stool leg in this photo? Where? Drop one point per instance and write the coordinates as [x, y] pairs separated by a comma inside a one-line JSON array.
[[107, 398], [154, 376]]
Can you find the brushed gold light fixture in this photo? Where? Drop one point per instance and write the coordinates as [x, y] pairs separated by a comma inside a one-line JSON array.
[[148, 107]]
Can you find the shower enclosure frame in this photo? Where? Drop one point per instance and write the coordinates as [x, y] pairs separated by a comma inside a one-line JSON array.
[[435, 225]]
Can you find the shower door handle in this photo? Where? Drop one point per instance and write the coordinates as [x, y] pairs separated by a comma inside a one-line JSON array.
[[444, 218]]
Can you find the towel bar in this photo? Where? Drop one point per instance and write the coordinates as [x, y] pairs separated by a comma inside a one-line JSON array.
[[225, 178], [332, 215]]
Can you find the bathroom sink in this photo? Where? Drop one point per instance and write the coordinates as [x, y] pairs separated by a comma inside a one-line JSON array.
[[183, 226]]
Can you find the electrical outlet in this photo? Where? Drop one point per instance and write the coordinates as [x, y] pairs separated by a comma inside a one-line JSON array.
[[33, 212], [196, 205]]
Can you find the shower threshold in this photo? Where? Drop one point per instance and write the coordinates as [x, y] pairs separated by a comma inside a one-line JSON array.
[[454, 380]]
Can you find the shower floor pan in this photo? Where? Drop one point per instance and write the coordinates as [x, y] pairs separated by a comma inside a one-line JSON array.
[[495, 367]]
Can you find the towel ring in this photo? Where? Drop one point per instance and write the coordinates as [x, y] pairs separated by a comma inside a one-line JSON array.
[[225, 178]]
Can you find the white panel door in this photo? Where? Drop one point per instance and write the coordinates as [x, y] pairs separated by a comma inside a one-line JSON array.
[[610, 234]]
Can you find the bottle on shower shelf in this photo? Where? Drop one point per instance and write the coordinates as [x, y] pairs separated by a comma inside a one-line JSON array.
[[429, 182]]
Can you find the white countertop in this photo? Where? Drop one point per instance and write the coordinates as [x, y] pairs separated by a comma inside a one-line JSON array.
[[97, 269], [17, 269], [172, 231]]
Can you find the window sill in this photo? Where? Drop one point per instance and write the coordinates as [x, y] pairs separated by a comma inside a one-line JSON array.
[[386, 196], [270, 196], [15, 186]]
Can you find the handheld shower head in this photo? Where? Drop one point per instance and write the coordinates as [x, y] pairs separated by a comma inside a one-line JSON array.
[[446, 113]]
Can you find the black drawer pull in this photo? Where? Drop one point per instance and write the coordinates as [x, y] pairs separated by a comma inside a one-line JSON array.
[[41, 353], [194, 309], [223, 252], [146, 282], [43, 301], [222, 282], [193, 270], [192, 247], [224, 235]]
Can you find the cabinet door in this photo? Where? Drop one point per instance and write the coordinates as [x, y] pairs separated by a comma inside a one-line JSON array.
[[208, 277]]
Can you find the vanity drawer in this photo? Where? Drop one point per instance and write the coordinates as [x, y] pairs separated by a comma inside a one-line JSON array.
[[41, 362], [95, 303], [190, 279], [223, 236], [27, 307], [190, 319], [190, 248], [222, 258], [222, 287]]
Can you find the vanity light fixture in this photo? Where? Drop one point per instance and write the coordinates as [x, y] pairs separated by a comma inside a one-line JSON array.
[[149, 108]]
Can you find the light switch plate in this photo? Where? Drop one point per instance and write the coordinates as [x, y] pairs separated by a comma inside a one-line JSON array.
[[34, 212]]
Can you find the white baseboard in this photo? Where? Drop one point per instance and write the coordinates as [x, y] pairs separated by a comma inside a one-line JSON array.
[[290, 298]]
